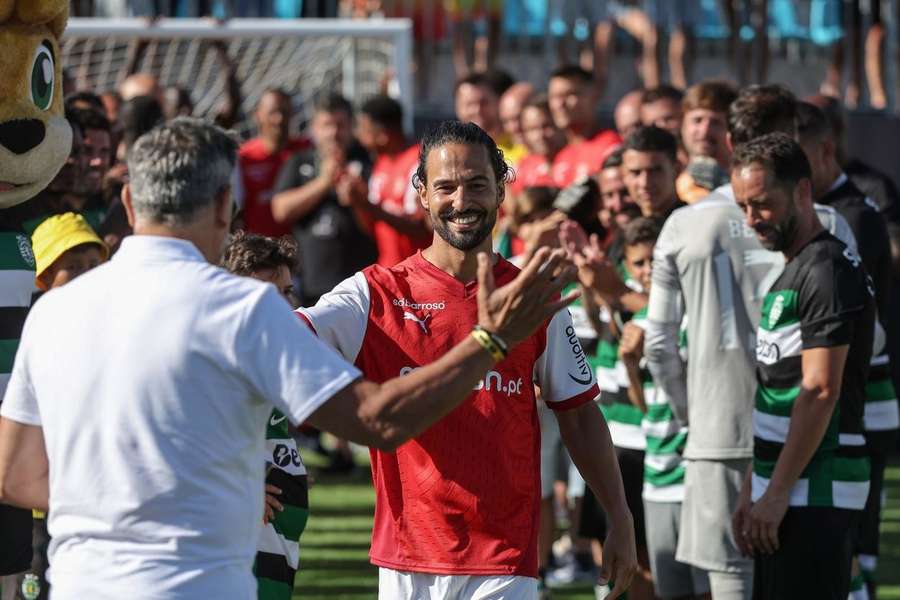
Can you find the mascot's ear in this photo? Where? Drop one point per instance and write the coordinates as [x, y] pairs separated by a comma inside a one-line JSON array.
[[58, 24], [41, 11]]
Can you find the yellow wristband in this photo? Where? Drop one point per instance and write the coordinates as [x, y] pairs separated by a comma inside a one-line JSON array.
[[484, 340]]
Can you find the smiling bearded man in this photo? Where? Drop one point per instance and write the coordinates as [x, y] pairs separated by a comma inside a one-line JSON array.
[[456, 513]]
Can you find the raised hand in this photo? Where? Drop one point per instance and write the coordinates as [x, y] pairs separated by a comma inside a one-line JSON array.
[[541, 233], [272, 505], [332, 165], [518, 308], [631, 346], [595, 270], [352, 190]]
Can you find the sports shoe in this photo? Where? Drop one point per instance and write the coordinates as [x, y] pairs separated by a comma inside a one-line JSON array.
[[568, 574]]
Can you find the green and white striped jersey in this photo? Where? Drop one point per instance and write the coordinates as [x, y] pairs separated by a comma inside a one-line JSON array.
[[882, 413], [16, 286], [822, 299], [278, 549], [666, 436], [622, 417]]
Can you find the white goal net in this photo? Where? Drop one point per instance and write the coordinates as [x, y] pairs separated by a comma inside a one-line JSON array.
[[306, 58]]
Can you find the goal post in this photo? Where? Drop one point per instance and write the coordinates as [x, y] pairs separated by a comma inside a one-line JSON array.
[[305, 57]]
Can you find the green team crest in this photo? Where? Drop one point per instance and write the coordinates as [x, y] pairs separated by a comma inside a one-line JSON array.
[[31, 587], [25, 250]]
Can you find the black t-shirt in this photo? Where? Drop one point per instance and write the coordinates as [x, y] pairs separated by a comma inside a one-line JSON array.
[[331, 244], [870, 231], [823, 299], [877, 186]]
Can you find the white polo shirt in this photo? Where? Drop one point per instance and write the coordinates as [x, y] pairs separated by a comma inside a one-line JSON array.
[[153, 377]]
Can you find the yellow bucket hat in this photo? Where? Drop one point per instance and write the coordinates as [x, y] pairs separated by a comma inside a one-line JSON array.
[[59, 234]]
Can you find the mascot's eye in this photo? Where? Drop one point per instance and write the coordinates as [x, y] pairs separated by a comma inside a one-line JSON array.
[[42, 73]]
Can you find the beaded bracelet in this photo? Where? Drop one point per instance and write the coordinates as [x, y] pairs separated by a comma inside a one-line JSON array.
[[495, 346]]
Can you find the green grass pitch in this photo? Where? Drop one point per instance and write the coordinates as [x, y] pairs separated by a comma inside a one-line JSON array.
[[336, 542]]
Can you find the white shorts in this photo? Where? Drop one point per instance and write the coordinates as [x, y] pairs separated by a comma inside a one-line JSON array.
[[399, 585]]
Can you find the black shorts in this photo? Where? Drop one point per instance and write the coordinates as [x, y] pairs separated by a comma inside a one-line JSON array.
[[815, 554], [879, 444], [593, 520], [15, 540]]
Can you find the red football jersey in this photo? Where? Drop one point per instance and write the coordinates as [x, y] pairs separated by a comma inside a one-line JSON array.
[[259, 172], [391, 188], [464, 496], [583, 159], [532, 171]]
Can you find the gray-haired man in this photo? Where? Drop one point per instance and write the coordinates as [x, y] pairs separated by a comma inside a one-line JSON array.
[[140, 393]]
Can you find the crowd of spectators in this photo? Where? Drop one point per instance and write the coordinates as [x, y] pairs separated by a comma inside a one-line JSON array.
[[853, 34]]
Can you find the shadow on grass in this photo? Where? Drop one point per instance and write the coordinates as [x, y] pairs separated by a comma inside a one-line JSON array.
[[315, 546], [342, 511], [357, 565], [304, 591], [889, 562]]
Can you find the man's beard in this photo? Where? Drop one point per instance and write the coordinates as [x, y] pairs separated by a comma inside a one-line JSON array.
[[465, 240], [781, 235]]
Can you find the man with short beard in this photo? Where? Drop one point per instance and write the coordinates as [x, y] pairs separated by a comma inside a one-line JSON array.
[[832, 187], [456, 511], [97, 151], [617, 209], [802, 499]]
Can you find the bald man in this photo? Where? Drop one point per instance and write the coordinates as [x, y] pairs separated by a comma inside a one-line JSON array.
[[511, 104], [140, 84], [627, 115]]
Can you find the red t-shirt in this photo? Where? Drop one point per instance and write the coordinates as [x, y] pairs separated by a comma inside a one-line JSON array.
[[259, 172], [463, 497], [584, 158], [532, 171], [391, 188]]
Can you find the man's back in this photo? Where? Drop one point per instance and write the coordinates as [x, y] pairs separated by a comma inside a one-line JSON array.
[[159, 422], [707, 254]]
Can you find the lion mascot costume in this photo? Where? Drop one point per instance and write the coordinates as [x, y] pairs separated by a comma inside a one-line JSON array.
[[35, 141]]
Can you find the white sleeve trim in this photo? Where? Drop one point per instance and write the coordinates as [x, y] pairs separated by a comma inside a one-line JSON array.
[[562, 370], [340, 317]]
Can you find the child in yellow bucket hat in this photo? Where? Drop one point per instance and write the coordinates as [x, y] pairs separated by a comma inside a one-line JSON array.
[[65, 247]]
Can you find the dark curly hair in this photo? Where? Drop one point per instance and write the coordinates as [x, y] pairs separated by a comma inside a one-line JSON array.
[[249, 253], [779, 154], [457, 132], [762, 109]]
